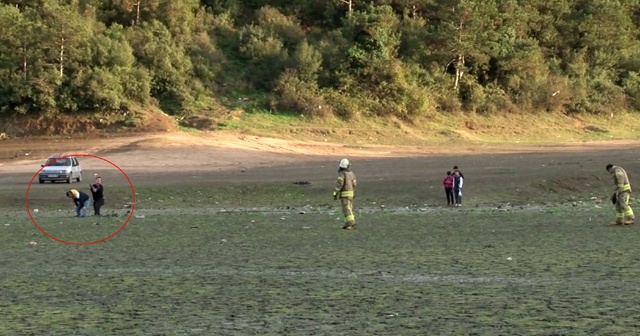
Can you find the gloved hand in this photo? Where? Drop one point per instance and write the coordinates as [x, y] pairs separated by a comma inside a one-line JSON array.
[[335, 195], [614, 198]]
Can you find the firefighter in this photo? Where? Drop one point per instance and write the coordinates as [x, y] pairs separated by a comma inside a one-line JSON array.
[[624, 213], [345, 189]]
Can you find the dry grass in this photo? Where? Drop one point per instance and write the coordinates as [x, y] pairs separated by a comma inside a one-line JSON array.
[[443, 129]]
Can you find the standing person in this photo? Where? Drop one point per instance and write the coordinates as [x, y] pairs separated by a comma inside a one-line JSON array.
[[458, 181], [97, 191], [448, 188], [624, 213], [81, 200], [455, 169], [345, 190]]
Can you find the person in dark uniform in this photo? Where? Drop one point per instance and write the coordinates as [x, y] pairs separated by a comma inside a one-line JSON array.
[[97, 191]]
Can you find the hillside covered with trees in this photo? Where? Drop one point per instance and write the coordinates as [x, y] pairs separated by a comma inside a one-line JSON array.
[[349, 58]]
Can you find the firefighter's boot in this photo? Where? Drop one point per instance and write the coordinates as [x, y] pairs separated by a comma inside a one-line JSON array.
[[349, 226]]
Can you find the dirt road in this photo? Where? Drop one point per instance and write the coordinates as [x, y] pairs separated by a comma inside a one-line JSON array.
[[218, 151]]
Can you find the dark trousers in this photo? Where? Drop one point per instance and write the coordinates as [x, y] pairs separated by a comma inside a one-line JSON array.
[[457, 195], [449, 193], [97, 204]]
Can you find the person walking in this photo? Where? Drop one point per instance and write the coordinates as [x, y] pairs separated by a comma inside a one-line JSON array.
[[345, 190], [458, 182], [448, 188], [624, 213], [81, 201], [97, 192]]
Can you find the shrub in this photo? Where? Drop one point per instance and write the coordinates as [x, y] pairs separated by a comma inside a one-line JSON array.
[[297, 95]]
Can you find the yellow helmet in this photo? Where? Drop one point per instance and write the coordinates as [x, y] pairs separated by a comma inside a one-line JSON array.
[[344, 163]]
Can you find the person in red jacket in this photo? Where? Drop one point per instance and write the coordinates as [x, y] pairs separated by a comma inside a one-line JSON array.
[[448, 188]]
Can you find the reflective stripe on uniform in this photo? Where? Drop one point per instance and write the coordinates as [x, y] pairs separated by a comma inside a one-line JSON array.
[[347, 193], [624, 187]]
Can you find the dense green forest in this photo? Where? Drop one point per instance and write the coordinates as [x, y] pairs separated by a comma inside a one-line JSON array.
[[349, 58]]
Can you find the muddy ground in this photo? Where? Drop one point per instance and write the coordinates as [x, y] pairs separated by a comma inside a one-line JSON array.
[[495, 174], [225, 240]]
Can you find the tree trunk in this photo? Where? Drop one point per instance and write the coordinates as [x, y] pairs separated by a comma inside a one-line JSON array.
[[138, 12], [24, 59], [459, 57], [62, 57], [350, 4], [24, 64], [459, 72]]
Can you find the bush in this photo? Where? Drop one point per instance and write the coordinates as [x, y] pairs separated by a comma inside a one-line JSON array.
[[266, 56], [345, 106], [297, 95], [631, 86]]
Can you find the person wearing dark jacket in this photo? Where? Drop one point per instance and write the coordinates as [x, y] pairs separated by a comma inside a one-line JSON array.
[[458, 182], [97, 191], [81, 201], [455, 169]]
